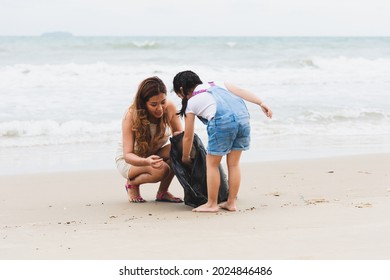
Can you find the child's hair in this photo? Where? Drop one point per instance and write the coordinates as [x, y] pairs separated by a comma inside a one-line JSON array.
[[147, 89], [187, 80]]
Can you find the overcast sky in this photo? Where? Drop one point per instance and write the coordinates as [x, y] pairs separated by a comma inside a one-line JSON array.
[[197, 17]]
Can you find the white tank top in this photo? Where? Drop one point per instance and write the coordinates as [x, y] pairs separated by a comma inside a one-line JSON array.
[[163, 141]]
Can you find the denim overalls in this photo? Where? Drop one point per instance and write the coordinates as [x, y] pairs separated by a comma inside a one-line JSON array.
[[230, 128]]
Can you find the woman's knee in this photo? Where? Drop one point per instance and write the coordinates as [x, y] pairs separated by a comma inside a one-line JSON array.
[[162, 172]]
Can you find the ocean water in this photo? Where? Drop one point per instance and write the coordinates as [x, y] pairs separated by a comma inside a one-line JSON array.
[[62, 98]]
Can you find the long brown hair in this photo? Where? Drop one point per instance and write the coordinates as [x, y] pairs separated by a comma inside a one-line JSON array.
[[140, 116]]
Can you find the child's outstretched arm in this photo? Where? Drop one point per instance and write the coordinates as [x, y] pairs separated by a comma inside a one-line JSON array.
[[250, 97], [188, 137]]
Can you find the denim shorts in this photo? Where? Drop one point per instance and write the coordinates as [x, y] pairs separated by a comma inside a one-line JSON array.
[[227, 133]]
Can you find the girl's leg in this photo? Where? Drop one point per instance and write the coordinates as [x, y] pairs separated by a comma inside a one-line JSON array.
[[213, 182], [234, 179]]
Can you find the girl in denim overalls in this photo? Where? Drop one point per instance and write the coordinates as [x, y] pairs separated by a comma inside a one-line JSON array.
[[223, 109]]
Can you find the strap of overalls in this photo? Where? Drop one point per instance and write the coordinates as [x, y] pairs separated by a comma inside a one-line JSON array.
[[203, 120], [203, 90]]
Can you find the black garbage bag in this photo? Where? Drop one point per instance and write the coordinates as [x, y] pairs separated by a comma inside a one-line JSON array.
[[193, 177]]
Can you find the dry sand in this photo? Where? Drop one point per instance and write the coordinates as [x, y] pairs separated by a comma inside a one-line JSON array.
[[332, 208]]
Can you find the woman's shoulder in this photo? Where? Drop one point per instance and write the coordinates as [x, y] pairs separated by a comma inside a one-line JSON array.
[[171, 106], [128, 114], [129, 118]]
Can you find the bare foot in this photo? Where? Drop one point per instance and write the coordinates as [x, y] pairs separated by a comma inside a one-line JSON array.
[[206, 208], [227, 206]]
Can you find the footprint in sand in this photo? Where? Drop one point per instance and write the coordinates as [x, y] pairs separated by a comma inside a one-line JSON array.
[[363, 205], [316, 201], [274, 193]]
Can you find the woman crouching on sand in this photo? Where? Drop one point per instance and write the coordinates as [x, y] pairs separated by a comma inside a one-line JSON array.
[[143, 154]]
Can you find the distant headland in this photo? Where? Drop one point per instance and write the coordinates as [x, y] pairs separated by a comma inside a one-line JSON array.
[[57, 34]]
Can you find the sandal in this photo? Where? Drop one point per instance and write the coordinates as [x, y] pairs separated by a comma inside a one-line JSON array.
[[138, 198], [162, 197]]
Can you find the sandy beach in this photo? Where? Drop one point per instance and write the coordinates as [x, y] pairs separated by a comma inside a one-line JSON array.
[[330, 208]]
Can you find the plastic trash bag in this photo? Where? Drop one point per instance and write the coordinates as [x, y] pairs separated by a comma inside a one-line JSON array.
[[193, 177]]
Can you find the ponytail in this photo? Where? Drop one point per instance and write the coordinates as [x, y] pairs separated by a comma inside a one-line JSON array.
[[184, 103], [184, 82]]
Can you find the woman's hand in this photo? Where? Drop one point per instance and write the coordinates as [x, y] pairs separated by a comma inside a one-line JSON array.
[[155, 161]]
